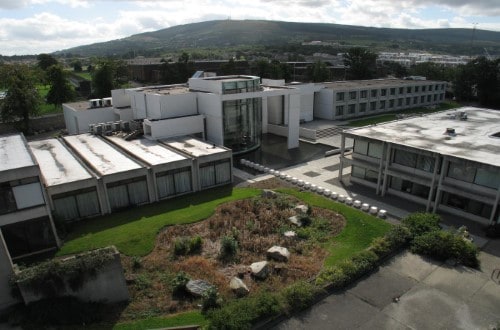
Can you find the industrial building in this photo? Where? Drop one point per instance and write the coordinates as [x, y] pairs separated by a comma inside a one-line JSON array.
[[447, 161]]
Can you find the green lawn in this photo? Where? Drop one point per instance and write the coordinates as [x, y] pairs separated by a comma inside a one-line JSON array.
[[361, 228], [134, 231], [183, 319], [84, 75], [392, 116], [46, 108]]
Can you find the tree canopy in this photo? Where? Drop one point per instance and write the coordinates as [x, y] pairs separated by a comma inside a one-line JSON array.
[[45, 61], [178, 72], [22, 99], [60, 89], [361, 63], [108, 74]]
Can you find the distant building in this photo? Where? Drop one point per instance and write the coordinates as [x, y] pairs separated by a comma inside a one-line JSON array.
[[448, 161]]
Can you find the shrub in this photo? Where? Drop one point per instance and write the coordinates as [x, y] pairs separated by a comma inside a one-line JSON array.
[[181, 246], [142, 282], [178, 284], [242, 313], [381, 246], [421, 223], [136, 263], [398, 236], [443, 245], [364, 261], [333, 276], [210, 299], [299, 296], [228, 248], [195, 245]]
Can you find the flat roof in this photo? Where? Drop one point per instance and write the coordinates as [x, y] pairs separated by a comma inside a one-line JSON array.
[[57, 164], [83, 105], [100, 155], [166, 90], [14, 152], [192, 146], [376, 83], [151, 152], [474, 138]]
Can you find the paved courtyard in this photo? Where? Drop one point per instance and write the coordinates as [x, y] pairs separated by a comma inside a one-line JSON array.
[[431, 295]]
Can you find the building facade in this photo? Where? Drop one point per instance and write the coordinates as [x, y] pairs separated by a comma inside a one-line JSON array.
[[448, 161]]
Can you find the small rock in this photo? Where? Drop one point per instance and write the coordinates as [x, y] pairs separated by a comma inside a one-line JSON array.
[[301, 209], [278, 253], [238, 287], [290, 234], [260, 269], [295, 220], [266, 193], [198, 287]]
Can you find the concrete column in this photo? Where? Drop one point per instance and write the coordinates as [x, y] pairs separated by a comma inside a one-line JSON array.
[[151, 181], [495, 207], [380, 167], [342, 150], [293, 120], [102, 192], [387, 162], [6, 271], [265, 120], [433, 182], [195, 175], [437, 198]]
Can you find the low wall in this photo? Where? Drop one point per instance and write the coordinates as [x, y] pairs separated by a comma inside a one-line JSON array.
[[106, 285], [277, 130], [307, 133]]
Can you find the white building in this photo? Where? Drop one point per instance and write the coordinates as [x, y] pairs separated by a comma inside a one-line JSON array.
[[447, 161]]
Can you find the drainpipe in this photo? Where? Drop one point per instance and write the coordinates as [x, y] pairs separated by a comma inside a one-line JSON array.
[[433, 182], [440, 184], [387, 161]]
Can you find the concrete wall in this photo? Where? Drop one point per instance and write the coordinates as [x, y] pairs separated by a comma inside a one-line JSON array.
[[323, 104], [77, 121], [6, 299], [275, 110], [211, 106], [108, 286], [162, 129], [120, 98]]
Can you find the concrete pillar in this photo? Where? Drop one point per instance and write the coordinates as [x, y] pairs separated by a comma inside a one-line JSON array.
[[6, 271], [195, 175], [495, 207], [342, 151], [265, 120], [102, 192], [437, 198], [380, 168], [387, 162], [151, 181], [433, 182], [293, 110]]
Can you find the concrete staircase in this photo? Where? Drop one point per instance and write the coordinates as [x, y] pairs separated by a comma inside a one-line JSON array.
[[327, 132]]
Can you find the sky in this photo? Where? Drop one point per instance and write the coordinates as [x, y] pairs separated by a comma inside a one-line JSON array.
[[45, 26]]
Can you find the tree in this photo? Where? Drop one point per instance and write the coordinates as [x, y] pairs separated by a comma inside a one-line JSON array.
[[108, 74], [22, 99], [60, 89], [318, 72], [45, 61], [77, 66], [177, 73], [361, 62]]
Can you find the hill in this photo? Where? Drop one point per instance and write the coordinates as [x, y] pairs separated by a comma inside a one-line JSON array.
[[233, 33]]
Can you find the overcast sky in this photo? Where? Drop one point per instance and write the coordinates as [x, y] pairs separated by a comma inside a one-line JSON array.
[[38, 26]]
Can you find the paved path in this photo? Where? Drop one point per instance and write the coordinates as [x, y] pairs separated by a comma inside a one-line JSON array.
[[431, 296]]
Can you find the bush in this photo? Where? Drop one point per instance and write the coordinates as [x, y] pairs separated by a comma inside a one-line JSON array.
[[195, 245], [242, 313], [178, 284], [443, 245], [421, 223], [143, 282], [136, 263], [364, 261], [184, 246], [228, 248], [398, 236], [381, 246], [210, 300], [299, 296], [333, 276]]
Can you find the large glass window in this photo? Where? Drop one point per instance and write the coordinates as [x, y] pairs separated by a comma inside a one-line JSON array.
[[383, 92], [373, 106], [487, 178], [173, 182], [363, 94], [240, 86], [468, 205], [340, 96], [372, 149], [242, 124], [28, 237], [352, 95], [215, 173], [76, 205], [351, 109], [20, 194], [126, 193], [461, 172], [393, 91], [339, 110], [409, 187], [361, 147], [362, 107], [405, 158], [365, 174], [373, 93]]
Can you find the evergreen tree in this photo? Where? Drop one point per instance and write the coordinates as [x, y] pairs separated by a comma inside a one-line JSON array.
[[361, 62], [60, 89]]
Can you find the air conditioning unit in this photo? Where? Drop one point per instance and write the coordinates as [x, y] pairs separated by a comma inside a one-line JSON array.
[[98, 129], [95, 103], [108, 127], [116, 126], [126, 126], [91, 128], [107, 102]]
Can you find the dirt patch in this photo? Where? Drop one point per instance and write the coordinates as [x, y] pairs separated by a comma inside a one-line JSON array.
[[256, 224]]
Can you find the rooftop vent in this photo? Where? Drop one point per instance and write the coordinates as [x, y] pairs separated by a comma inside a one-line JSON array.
[[450, 131]]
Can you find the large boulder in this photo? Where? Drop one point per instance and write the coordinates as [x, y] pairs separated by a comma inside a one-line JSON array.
[[301, 209], [266, 193], [238, 287], [260, 269], [278, 253], [198, 287]]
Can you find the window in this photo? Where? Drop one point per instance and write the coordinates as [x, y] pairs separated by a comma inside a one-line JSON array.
[[400, 102], [339, 110], [429, 98], [351, 109], [393, 91], [215, 173], [408, 89], [441, 97], [340, 96], [20, 194], [487, 178], [373, 106], [173, 182], [76, 205], [468, 205], [408, 100], [435, 97], [391, 103], [422, 99], [383, 92], [409, 187], [401, 90], [127, 193], [413, 160], [415, 100], [461, 172], [430, 88], [365, 174], [373, 93], [362, 107], [363, 94], [424, 88], [360, 147], [417, 89], [375, 149], [352, 95], [382, 105]]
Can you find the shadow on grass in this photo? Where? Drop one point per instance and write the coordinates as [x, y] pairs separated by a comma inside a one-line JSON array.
[[122, 217]]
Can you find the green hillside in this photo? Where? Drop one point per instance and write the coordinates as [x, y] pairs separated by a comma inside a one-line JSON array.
[[232, 33]]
